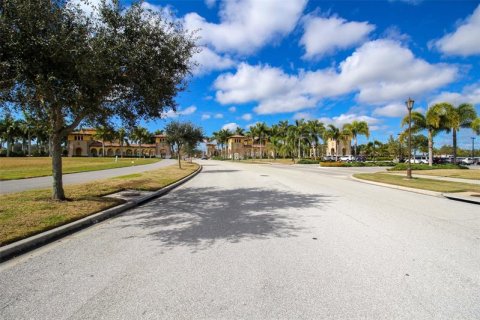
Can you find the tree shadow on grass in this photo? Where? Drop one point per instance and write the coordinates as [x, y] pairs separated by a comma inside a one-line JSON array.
[[197, 217]]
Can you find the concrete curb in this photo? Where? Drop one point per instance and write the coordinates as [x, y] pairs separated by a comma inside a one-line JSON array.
[[30, 243], [392, 186]]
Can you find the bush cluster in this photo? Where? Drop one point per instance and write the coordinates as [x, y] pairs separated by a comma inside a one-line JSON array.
[[356, 164], [307, 161]]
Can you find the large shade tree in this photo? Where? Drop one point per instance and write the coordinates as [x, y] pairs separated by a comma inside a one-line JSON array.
[[74, 68]]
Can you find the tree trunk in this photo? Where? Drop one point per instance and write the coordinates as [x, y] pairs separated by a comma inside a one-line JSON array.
[[9, 146], [29, 144], [56, 151], [454, 146], [179, 162], [430, 148], [355, 149]]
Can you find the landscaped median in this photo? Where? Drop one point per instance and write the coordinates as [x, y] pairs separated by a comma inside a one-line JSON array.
[[28, 213], [419, 183]]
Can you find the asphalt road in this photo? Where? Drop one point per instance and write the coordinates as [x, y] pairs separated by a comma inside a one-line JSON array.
[[246, 241], [81, 177]]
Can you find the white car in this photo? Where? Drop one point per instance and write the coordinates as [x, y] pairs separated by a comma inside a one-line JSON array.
[[467, 161], [347, 158], [418, 160]]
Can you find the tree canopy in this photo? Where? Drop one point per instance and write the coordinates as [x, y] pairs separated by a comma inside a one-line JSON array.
[[67, 67]]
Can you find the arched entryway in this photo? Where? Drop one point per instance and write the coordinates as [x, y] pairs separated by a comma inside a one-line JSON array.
[[93, 152], [78, 152], [110, 152], [129, 152]]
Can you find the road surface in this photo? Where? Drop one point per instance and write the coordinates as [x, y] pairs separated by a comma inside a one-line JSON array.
[[81, 177], [244, 241]]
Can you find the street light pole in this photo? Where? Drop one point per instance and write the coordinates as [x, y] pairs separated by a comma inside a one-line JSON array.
[[399, 148], [409, 103]]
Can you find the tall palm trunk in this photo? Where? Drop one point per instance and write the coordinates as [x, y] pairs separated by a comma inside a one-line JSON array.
[[454, 145], [430, 148], [355, 149], [337, 146]]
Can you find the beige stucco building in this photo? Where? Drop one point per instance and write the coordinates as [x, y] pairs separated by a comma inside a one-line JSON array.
[[83, 144], [344, 147], [242, 147]]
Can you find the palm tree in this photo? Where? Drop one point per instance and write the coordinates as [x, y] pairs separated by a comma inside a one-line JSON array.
[[434, 121], [334, 134], [222, 138], [104, 133], [262, 130], [121, 135], [9, 131], [459, 117], [240, 131], [358, 128], [476, 126], [314, 130], [140, 135]]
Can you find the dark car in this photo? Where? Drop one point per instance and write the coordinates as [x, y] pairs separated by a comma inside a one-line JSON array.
[[360, 158]]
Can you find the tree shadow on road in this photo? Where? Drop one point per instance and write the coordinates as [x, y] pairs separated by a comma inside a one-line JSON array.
[[198, 217]]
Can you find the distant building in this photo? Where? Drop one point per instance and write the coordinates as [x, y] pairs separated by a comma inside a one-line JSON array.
[[242, 147], [83, 144], [344, 148]]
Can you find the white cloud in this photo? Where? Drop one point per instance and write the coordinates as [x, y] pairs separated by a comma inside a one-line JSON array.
[[210, 3], [232, 109], [465, 40], [247, 117], [247, 25], [185, 112], [302, 115], [232, 126], [208, 61], [469, 94], [342, 119], [218, 116], [326, 35], [379, 72], [206, 116], [392, 110]]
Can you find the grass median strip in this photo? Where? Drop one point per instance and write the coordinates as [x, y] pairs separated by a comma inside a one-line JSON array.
[[30, 167], [24, 214], [419, 183]]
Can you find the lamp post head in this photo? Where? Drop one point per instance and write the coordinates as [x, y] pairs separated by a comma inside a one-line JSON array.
[[409, 104]]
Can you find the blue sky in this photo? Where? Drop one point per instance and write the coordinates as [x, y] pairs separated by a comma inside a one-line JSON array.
[[337, 61]]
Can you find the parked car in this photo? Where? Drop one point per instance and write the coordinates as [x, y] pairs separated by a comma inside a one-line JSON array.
[[440, 160], [418, 160], [467, 161], [328, 158], [347, 158], [360, 158]]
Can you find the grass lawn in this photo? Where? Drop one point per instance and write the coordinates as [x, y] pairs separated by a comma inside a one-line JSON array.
[[419, 183], [29, 167], [30, 212], [451, 173]]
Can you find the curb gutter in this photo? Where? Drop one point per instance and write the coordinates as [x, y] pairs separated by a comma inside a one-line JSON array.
[[30, 243]]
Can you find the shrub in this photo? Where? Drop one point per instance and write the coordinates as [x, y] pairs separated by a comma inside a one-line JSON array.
[[419, 166], [357, 164], [307, 161]]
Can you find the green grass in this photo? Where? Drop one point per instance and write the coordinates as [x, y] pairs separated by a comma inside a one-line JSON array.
[[419, 166], [452, 173], [21, 168], [419, 183], [27, 213]]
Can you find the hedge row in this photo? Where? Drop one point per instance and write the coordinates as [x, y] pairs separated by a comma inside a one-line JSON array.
[[419, 166]]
